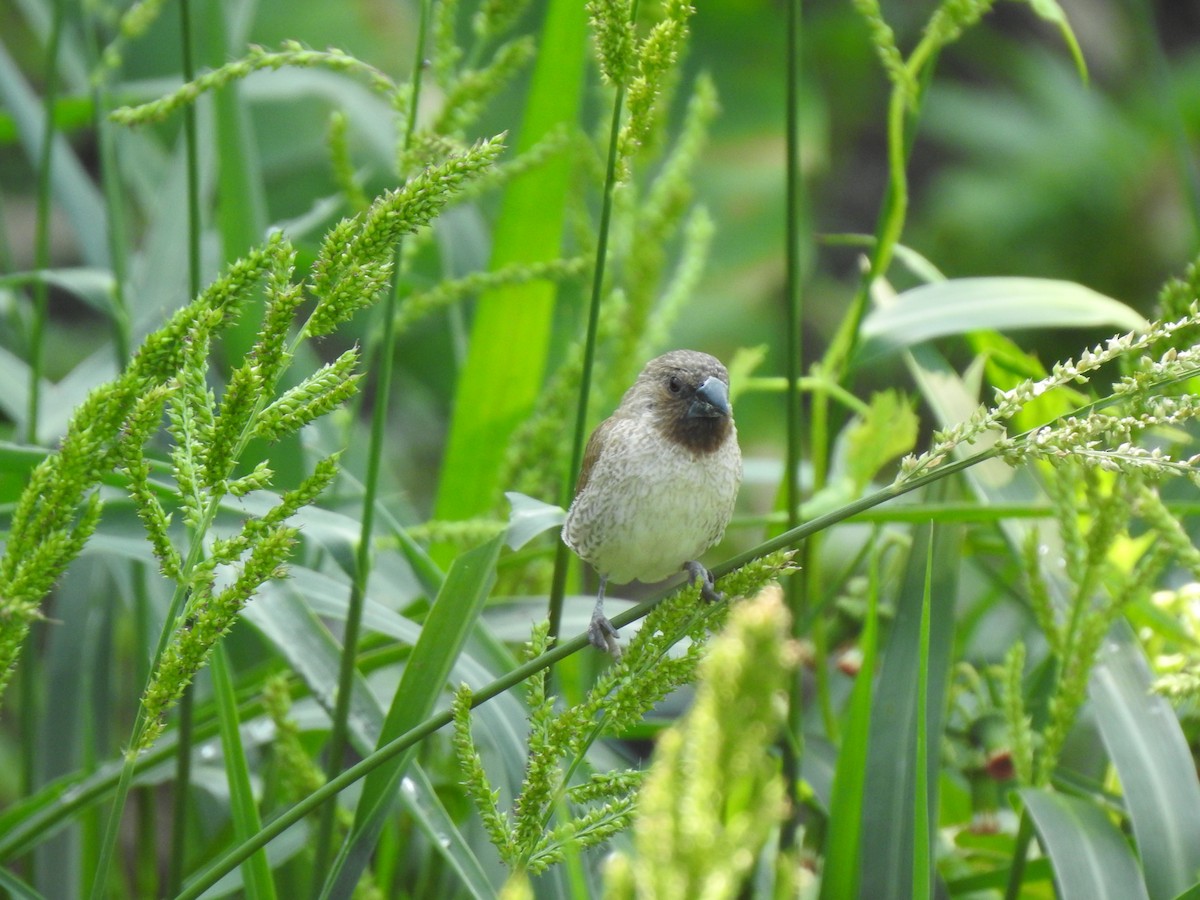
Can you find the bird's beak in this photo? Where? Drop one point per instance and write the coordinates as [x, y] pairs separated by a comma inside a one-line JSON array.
[[711, 400]]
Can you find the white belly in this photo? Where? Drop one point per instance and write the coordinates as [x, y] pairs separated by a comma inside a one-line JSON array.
[[630, 525]]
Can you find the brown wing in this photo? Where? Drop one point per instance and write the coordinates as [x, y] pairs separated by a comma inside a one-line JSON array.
[[591, 453]]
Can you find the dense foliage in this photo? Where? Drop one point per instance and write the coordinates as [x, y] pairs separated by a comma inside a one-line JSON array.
[[306, 311]]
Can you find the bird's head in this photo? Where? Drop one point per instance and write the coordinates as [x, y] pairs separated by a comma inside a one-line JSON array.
[[687, 393]]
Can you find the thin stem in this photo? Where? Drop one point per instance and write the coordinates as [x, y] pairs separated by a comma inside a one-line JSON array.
[[183, 776], [110, 180], [1016, 871], [797, 593], [561, 556], [109, 843], [181, 787], [339, 733], [37, 325]]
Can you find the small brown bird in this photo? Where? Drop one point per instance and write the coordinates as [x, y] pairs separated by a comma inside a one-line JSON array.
[[658, 482]]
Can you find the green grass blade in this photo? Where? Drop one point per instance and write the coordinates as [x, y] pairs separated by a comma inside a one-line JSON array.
[[283, 618], [922, 857], [72, 188], [291, 623], [1154, 763], [450, 621], [511, 331], [15, 376], [433, 818], [839, 876], [1091, 859], [256, 872], [16, 888], [889, 817], [293, 626]]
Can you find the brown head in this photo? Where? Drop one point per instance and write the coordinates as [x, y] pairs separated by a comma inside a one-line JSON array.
[[687, 393]]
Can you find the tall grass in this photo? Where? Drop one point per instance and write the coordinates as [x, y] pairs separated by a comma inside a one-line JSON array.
[[235, 598]]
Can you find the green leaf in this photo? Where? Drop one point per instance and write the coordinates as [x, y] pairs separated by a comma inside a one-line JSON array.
[[14, 399], [1155, 765], [302, 640], [962, 305], [889, 813], [886, 432], [294, 628], [839, 876], [512, 325], [256, 871], [1091, 860], [71, 186], [433, 818], [530, 518], [93, 286], [451, 619], [922, 854], [16, 888]]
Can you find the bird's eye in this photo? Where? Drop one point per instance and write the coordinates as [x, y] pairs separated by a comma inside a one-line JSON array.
[[674, 385]]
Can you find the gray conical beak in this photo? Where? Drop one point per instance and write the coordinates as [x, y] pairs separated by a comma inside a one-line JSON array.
[[711, 400]]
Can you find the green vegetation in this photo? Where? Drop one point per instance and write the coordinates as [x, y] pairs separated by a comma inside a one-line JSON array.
[[300, 348]]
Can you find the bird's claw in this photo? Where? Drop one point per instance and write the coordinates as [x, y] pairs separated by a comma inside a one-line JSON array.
[[708, 590], [603, 636]]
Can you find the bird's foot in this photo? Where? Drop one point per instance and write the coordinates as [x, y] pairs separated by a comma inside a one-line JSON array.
[[697, 572], [603, 635]]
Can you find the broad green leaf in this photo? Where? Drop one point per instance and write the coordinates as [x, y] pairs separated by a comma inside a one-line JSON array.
[[312, 652], [891, 779], [300, 637], [511, 331], [432, 817], [450, 621], [961, 305], [1155, 765], [1091, 859], [285, 847], [294, 628]]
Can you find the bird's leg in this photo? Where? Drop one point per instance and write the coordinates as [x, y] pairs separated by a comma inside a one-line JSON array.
[[601, 633], [697, 572]]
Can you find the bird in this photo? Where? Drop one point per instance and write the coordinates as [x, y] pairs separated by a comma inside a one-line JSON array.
[[658, 481]]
